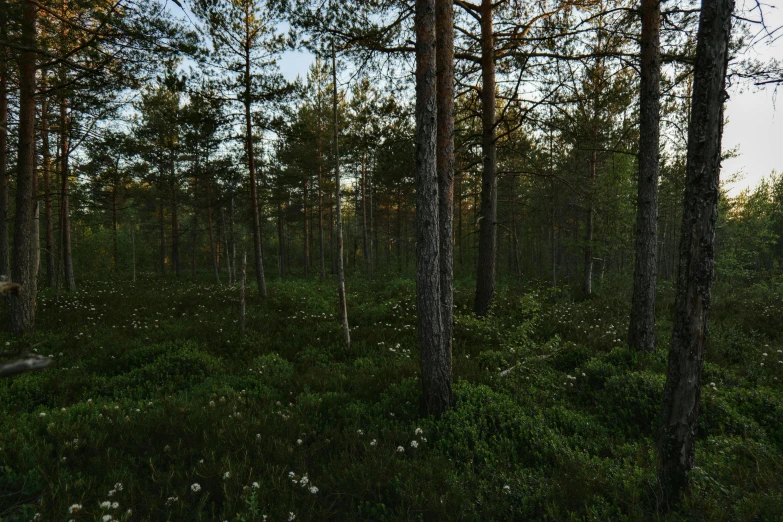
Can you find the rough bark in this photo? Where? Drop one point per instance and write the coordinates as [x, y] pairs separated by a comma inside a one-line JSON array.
[[340, 267], [435, 372], [444, 24], [696, 253], [641, 330], [251, 167], [65, 212], [485, 277], [5, 254], [47, 182], [23, 272]]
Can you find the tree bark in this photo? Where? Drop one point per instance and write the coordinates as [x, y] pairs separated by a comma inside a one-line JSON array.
[[212, 247], [587, 281], [242, 293], [174, 226], [641, 330], [697, 249], [340, 267], [65, 212], [5, 254], [251, 167], [444, 24], [436, 377], [162, 231], [23, 305], [366, 249], [47, 181], [485, 278]]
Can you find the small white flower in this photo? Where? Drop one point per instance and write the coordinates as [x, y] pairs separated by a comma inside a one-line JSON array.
[[360, 432], [227, 475], [374, 442], [291, 474], [115, 505], [255, 485], [299, 442], [195, 487], [418, 431], [400, 449], [106, 518], [414, 444], [105, 504], [291, 516], [313, 490], [42, 414], [74, 508], [506, 489], [304, 480]]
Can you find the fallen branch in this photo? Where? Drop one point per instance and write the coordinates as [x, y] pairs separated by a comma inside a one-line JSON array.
[[29, 363]]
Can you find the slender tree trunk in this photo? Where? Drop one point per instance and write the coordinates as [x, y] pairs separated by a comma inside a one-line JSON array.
[[242, 293], [251, 167], [697, 242], [174, 228], [587, 281], [280, 241], [340, 267], [485, 278], [444, 24], [65, 212], [305, 235], [365, 233], [321, 208], [5, 254], [23, 305], [212, 248], [232, 237], [162, 230], [641, 331], [47, 181], [133, 252], [435, 367], [114, 223]]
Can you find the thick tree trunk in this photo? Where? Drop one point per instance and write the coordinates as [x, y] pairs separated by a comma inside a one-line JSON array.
[[696, 264], [435, 367], [641, 330], [23, 305], [65, 211], [251, 167], [47, 181], [444, 25], [340, 267], [485, 278], [5, 254]]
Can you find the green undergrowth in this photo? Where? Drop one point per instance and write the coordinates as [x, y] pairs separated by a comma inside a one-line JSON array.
[[156, 408]]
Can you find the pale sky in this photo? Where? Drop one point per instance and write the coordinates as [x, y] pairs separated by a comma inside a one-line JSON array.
[[755, 124]]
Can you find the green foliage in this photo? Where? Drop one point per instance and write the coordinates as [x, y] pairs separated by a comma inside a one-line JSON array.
[[159, 394]]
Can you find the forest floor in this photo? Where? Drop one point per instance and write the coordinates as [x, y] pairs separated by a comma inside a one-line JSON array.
[[158, 409]]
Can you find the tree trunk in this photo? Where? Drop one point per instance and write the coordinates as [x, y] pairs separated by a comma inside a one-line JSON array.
[[340, 267], [65, 212], [5, 254], [23, 305], [641, 331], [696, 263], [162, 230], [174, 228], [251, 167], [444, 23], [587, 281], [242, 293], [212, 248], [365, 241], [305, 235], [321, 207], [435, 367], [280, 241], [47, 181], [133, 252], [485, 278], [114, 223]]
